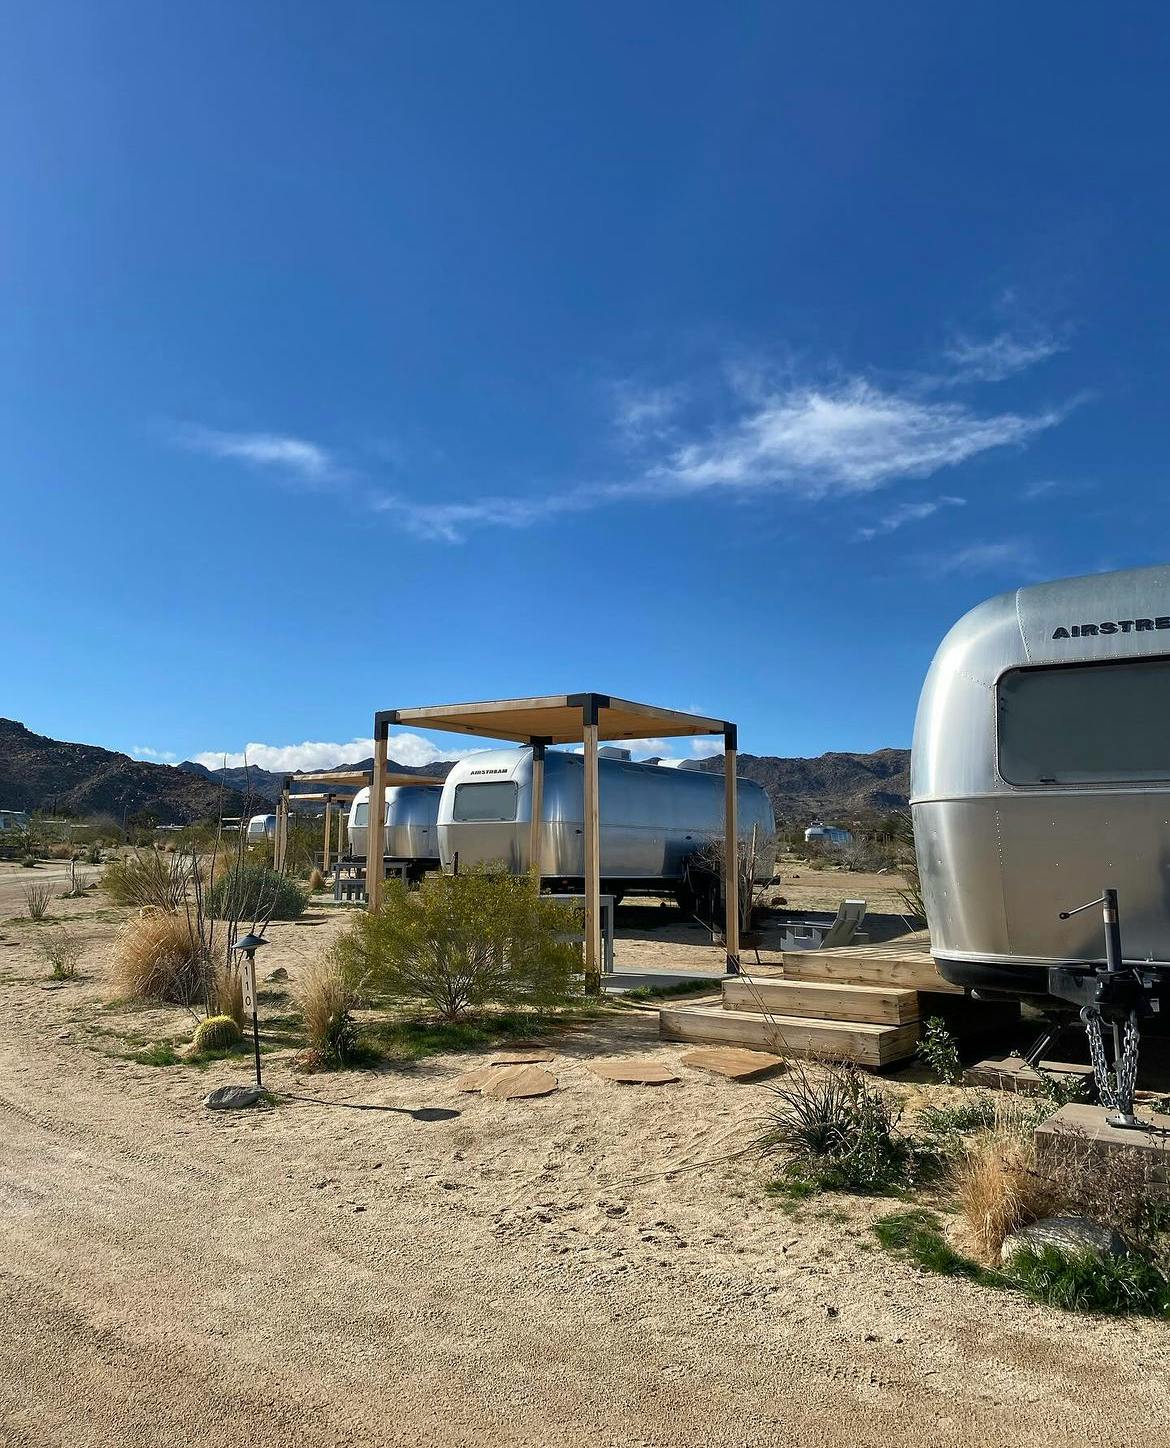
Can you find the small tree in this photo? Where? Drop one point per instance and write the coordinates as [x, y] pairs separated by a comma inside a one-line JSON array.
[[462, 941], [757, 858]]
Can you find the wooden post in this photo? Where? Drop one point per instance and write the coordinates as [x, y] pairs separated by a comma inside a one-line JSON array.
[[328, 833], [280, 845], [731, 848], [592, 855], [341, 826], [376, 814], [535, 827]]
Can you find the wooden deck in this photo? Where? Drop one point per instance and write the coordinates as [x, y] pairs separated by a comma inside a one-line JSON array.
[[860, 1003]]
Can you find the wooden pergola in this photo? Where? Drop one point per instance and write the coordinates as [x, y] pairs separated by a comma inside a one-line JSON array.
[[572, 719], [345, 784]]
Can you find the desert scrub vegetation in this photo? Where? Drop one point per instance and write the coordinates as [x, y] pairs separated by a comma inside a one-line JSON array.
[[36, 901], [160, 956], [836, 1131], [464, 941], [326, 998], [316, 881], [940, 1051], [254, 891], [148, 878], [1076, 1281], [61, 951]]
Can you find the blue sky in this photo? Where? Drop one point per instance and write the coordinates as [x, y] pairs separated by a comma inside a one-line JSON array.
[[374, 355]]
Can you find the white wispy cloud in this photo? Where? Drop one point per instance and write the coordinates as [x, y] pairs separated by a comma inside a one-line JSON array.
[[309, 461], [410, 749], [159, 756], [643, 413], [806, 442], [1001, 356], [904, 513], [1011, 553]]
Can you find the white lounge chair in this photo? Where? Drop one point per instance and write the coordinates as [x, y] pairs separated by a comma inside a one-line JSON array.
[[826, 935]]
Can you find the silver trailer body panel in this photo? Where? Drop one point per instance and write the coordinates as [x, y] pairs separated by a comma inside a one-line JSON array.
[[652, 819], [261, 828], [1040, 773], [410, 832]]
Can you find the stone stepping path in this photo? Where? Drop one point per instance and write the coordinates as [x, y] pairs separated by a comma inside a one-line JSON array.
[[737, 1063]]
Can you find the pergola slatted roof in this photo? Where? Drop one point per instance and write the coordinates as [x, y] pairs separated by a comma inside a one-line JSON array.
[[556, 719], [357, 779]]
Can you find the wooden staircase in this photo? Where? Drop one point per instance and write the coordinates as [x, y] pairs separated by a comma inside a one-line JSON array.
[[860, 1003]]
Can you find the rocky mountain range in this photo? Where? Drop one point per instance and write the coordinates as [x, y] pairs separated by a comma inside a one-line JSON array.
[[38, 773]]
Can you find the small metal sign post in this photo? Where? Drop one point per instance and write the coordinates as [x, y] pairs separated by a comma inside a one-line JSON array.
[[248, 946]]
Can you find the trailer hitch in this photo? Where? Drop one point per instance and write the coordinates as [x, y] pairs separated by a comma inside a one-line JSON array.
[[1112, 992]]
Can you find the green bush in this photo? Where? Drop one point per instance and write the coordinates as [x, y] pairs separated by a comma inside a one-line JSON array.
[[939, 1049], [216, 1033], [463, 941], [148, 878], [836, 1130], [255, 892], [1090, 1282]]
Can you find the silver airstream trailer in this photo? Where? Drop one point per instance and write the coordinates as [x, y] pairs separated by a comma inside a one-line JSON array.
[[652, 819], [410, 833], [261, 828], [1040, 777]]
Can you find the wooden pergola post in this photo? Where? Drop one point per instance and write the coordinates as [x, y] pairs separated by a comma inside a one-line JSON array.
[[328, 832], [731, 847], [280, 844], [536, 808], [592, 852], [340, 832], [376, 814]]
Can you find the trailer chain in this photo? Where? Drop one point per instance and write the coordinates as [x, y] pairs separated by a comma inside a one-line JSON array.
[[1115, 1089]]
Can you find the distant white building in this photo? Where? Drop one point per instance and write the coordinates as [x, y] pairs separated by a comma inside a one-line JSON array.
[[832, 836], [13, 819]]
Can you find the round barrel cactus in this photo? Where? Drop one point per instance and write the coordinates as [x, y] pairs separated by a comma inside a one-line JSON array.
[[216, 1033]]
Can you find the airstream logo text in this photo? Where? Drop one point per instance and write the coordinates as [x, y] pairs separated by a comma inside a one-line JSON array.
[[487, 771], [1123, 625]]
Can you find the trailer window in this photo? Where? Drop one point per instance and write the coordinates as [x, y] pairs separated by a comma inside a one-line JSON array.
[[361, 815], [1106, 723], [495, 801]]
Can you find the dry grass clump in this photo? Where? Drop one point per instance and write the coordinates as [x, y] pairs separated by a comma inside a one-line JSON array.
[[316, 881], [159, 956], [326, 998], [1125, 1189], [148, 878], [225, 993], [61, 950], [36, 901], [998, 1185]]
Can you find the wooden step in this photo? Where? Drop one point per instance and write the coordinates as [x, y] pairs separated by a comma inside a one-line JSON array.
[[862, 1042], [822, 1000], [901, 967]]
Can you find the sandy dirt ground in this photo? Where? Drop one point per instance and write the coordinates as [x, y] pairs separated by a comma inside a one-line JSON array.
[[336, 1271]]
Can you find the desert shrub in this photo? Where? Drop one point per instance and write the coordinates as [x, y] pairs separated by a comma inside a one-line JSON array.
[[36, 901], [1122, 1188], [325, 996], [225, 993], [1076, 1281], [93, 854], [216, 1033], [255, 892], [28, 862], [148, 878], [462, 941], [316, 881], [940, 1050], [61, 950], [998, 1187], [159, 956], [1091, 1282], [976, 1113], [835, 1130]]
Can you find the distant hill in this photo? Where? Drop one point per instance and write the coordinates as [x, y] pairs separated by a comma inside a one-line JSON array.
[[38, 773], [265, 785], [829, 787]]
